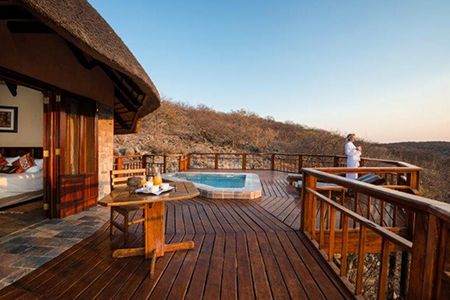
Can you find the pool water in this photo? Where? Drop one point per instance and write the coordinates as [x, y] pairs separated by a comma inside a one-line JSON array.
[[215, 180]]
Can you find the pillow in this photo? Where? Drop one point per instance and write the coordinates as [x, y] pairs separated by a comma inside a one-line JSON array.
[[8, 169], [39, 162], [10, 160], [24, 162], [3, 161], [33, 169]]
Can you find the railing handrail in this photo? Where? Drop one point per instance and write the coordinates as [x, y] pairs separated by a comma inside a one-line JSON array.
[[414, 202], [365, 170], [387, 161]]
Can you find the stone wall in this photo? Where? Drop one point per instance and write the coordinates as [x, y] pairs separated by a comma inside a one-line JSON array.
[[105, 148]]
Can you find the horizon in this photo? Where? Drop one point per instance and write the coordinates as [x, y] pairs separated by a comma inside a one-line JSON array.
[[309, 63]]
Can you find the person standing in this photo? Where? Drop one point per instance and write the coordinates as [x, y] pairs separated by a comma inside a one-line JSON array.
[[353, 155]]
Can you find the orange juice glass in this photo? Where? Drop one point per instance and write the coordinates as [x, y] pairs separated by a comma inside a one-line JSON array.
[[157, 179]]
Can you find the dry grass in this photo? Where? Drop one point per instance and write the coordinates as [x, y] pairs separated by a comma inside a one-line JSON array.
[[177, 127]]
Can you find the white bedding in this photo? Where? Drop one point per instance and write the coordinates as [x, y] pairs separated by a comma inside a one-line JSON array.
[[15, 184]]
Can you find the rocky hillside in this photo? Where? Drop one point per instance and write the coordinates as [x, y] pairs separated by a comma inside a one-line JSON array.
[[181, 128]]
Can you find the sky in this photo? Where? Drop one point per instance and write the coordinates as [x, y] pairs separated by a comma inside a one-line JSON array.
[[380, 69]]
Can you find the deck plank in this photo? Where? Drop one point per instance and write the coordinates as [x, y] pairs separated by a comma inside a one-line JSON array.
[[213, 284], [229, 276], [198, 281]]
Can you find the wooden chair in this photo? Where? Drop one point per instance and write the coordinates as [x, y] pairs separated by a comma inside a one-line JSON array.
[[119, 179]]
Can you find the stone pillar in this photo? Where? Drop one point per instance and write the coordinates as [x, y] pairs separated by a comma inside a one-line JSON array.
[[105, 148]]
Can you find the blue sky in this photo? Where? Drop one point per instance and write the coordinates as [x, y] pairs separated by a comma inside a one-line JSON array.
[[377, 68]]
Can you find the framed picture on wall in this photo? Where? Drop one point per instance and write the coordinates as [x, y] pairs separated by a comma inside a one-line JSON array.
[[8, 119]]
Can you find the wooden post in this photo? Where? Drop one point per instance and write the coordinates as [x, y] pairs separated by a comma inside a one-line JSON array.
[[384, 267], [344, 247], [443, 266], [308, 204], [413, 180], [216, 161], [180, 163], [188, 162], [406, 257], [272, 162], [300, 163], [244, 161], [331, 233], [361, 260], [335, 161], [164, 163], [119, 163], [424, 257], [144, 162]]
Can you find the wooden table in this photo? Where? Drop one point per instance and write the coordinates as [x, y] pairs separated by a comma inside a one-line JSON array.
[[154, 224]]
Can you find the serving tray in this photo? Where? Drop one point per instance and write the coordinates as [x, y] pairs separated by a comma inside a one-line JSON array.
[[145, 190]]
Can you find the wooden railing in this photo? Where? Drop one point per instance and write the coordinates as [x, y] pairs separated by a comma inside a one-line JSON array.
[[164, 162], [372, 236], [284, 162], [410, 233]]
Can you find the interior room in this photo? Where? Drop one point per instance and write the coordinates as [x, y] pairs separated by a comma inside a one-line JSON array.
[[21, 157]]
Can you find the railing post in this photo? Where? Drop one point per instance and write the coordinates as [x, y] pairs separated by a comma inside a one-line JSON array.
[[216, 161], [308, 216], [424, 257], [119, 163], [300, 163], [144, 164], [272, 162], [144, 161], [244, 161], [188, 162], [180, 163], [413, 180], [164, 163], [335, 161]]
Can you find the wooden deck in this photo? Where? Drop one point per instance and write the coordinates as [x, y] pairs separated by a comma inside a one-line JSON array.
[[244, 249]]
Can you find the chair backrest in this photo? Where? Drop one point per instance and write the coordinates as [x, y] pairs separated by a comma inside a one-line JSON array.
[[119, 177]]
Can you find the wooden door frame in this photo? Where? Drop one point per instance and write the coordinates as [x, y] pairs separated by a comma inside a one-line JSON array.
[[52, 150], [51, 122]]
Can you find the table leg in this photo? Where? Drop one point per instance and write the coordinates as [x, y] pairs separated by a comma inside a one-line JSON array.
[[152, 264], [154, 229], [179, 246], [154, 239]]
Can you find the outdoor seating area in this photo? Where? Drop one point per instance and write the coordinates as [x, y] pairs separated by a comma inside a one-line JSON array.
[[243, 249]]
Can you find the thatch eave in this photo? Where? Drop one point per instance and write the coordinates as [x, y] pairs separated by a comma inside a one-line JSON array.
[[80, 24]]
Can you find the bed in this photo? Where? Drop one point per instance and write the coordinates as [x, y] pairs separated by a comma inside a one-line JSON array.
[[18, 188]]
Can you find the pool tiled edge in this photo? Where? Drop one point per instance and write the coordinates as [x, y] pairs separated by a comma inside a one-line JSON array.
[[251, 190]]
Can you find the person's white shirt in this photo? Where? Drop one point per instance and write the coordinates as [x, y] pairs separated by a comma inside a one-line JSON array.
[[353, 158]]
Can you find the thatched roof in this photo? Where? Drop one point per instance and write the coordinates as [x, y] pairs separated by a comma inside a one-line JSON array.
[[82, 26]]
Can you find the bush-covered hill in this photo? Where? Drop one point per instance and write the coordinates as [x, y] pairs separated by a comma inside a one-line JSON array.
[[181, 128]]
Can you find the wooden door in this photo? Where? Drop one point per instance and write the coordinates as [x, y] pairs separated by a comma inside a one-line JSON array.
[[70, 155], [78, 170], [51, 160]]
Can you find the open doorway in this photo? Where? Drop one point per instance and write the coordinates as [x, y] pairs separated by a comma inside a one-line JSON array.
[[21, 157]]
